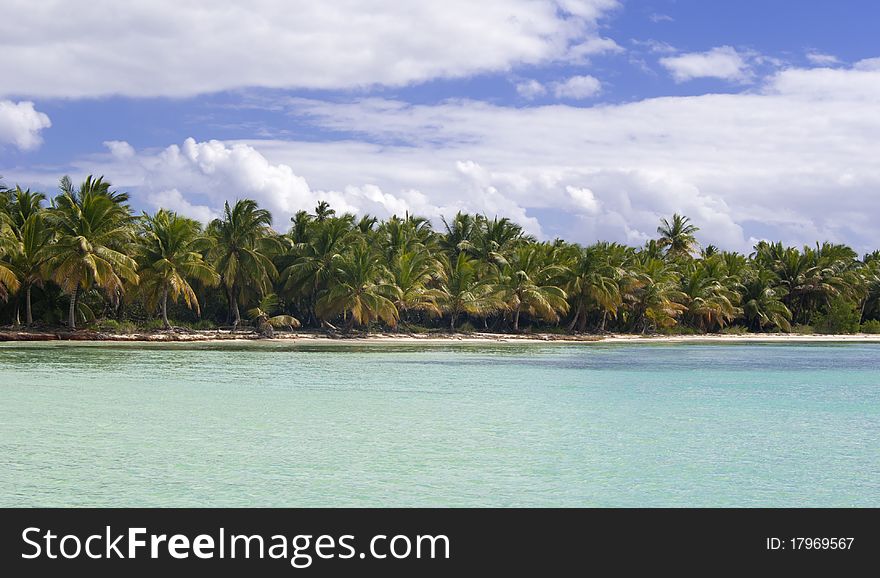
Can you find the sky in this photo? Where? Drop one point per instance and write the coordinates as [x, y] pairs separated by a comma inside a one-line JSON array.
[[581, 119]]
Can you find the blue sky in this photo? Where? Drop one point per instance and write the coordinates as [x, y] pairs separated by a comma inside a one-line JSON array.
[[585, 119]]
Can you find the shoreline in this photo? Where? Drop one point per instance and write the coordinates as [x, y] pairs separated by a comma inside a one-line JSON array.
[[219, 336]]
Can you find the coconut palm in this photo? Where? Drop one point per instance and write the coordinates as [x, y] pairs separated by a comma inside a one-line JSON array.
[[244, 244], [677, 237], [653, 298], [359, 290], [525, 284], [34, 239], [93, 226], [313, 257], [461, 290], [709, 302], [8, 278], [412, 273], [170, 255], [595, 284], [266, 316], [761, 303]]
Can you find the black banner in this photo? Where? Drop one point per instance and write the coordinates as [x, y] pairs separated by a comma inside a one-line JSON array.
[[406, 542]]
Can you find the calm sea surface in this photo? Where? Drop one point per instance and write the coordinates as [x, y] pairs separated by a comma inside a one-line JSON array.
[[268, 424]]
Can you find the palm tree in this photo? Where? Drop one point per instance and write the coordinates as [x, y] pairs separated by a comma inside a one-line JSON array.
[[242, 254], [678, 236], [525, 285], [170, 254], [31, 237], [92, 227], [460, 233], [412, 273], [462, 291], [313, 257], [359, 290], [654, 299], [8, 279], [708, 300], [34, 240], [266, 316], [595, 283], [761, 303]]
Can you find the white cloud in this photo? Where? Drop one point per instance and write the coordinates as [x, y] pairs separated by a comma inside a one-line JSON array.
[[793, 159], [173, 200], [657, 18], [585, 198], [119, 149], [530, 89], [577, 87], [21, 124], [83, 48], [655, 46], [820, 59], [722, 62]]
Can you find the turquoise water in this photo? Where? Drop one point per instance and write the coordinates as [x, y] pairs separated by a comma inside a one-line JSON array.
[[439, 425]]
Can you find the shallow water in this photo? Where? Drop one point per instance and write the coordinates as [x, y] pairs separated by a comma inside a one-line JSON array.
[[268, 424]]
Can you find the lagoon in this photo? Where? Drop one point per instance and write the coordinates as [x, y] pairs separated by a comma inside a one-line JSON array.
[[442, 424]]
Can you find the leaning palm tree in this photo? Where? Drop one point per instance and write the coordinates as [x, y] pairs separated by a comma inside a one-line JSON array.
[[359, 290], [170, 255], [678, 236], [243, 247], [92, 226], [266, 316]]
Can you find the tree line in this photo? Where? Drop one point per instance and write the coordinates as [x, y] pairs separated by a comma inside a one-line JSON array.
[[84, 259]]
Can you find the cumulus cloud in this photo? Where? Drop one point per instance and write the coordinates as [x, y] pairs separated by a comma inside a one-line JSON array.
[[119, 149], [530, 89], [195, 47], [766, 163], [722, 62], [21, 124], [577, 87]]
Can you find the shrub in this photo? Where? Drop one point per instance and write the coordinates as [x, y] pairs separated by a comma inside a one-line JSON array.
[[108, 325], [153, 325], [872, 326], [841, 317], [802, 329], [735, 330]]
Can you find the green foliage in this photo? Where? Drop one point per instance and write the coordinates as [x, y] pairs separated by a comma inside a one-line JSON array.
[[841, 317], [872, 326], [85, 256]]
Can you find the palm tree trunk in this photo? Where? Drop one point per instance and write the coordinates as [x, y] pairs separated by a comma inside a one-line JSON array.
[[165, 308], [516, 320], [71, 313], [452, 317], [604, 316], [17, 321], [29, 317], [574, 319], [235, 311]]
